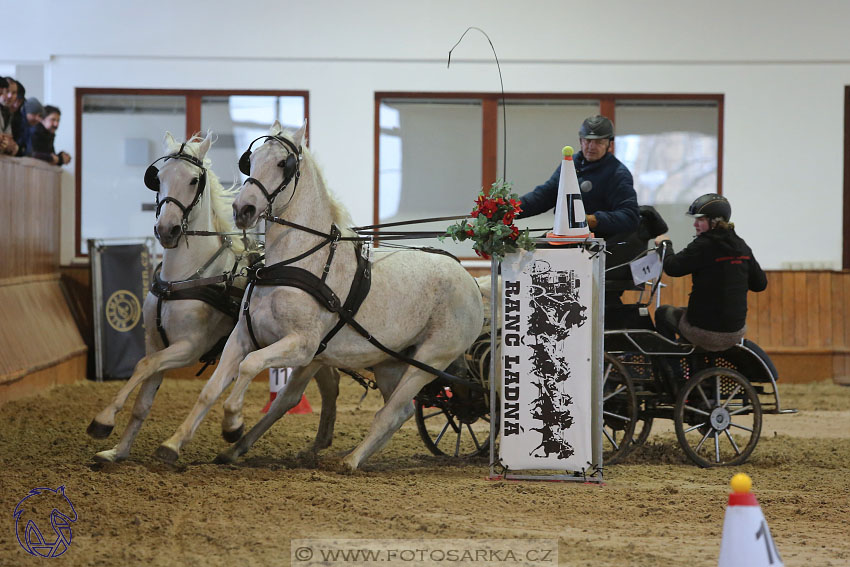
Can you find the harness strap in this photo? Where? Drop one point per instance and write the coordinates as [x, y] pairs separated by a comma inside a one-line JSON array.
[[291, 276], [163, 335], [222, 296], [360, 286], [282, 274]]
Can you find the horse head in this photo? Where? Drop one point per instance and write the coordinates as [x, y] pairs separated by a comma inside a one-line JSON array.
[[179, 183], [273, 169]]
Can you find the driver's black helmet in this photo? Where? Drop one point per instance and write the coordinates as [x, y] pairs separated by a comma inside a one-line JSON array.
[[712, 206], [596, 128]]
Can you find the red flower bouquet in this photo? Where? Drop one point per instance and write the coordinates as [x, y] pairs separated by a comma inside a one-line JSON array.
[[492, 226]]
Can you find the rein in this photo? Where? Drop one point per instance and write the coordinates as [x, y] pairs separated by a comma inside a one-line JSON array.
[[283, 274]]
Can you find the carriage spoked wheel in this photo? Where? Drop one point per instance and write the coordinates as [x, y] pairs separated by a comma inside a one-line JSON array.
[[643, 428], [718, 418], [619, 411], [454, 421]]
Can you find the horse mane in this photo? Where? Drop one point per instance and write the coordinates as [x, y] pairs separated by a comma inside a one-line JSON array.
[[341, 216], [221, 198]]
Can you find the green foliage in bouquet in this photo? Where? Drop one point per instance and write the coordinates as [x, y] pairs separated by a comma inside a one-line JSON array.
[[492, 224]]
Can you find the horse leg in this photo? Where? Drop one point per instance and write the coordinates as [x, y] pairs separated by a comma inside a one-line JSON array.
[[327, 379], [285, 401], [388, 374], [288, 352], [225, 372], [397, 410], [175, 356], [144, 401]]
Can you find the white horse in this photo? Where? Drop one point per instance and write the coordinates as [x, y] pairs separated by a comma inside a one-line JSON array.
[[423, 305], [191, 197]]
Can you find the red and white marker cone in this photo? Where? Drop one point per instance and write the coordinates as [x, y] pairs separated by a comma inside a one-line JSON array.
[[746, 538], [277, 381], [570, 218]]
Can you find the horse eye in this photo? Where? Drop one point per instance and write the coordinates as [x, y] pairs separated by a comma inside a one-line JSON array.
[[194, 181], [282, 163]]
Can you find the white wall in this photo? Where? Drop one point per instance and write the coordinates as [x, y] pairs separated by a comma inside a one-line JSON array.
[[782, 66]]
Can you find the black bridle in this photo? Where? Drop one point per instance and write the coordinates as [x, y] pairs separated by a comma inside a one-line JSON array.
[[152, 183], [291, 165]]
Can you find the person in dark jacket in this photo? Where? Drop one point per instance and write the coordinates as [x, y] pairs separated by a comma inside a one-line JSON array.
[[723, 270], [33, 113], [42, 136], [607, 189]]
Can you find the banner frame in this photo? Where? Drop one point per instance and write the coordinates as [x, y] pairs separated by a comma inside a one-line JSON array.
[[94, 247], [596, 246]]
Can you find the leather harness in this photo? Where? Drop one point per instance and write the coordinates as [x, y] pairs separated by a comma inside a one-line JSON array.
[[218, 292], [282, 274]]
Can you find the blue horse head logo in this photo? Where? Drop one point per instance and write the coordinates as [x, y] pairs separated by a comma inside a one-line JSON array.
[[58, 509]]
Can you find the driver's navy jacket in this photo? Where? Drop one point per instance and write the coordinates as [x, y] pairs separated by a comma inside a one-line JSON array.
[[723, 269], [607, 191]]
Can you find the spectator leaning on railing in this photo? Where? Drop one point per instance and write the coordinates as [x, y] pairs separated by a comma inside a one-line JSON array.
[[8, 107], [31, 114], [42, 136], [19, 121]]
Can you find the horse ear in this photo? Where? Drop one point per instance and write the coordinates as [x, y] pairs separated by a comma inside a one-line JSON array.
[[301, 135], [168, 142], [276, 128], [204, 147]]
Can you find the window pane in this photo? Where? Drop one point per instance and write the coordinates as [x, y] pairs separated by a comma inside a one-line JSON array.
[[537, 131], [237, 120], [121, 136], [671, 149], [429, 163]]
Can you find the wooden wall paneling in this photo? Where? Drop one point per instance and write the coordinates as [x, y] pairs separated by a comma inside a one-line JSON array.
[[774, 307], [787, 307], [753, 316], [824, 307], [812, 310], [845, 281], [838, 316], [800, 310]]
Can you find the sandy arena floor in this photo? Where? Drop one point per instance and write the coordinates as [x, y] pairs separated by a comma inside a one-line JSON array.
[[656, 509]]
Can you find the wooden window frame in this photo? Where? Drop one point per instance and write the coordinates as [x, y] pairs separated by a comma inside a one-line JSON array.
[[193, 125], [489, 130]]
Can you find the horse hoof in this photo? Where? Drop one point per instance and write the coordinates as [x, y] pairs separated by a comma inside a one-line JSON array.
[[166, 454], [99, 430], [233, 436], [106, 457], [224, 458]]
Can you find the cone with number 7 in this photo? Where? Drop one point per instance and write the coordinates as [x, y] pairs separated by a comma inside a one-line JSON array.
[[746, 537]]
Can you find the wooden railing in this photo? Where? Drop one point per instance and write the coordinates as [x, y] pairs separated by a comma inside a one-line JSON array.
[[37, 331]]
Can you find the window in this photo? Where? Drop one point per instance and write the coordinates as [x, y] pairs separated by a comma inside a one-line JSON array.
[[120, 133], [436, 150]]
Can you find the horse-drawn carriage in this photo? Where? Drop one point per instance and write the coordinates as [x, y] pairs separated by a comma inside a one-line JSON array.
[[715, 399]]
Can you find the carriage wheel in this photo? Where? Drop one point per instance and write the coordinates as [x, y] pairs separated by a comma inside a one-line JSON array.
[[619, 411], [455, 427], [644, 427], [718, 418]]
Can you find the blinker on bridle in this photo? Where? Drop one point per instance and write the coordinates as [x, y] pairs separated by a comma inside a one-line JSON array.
[[291, 169], [152, 183]]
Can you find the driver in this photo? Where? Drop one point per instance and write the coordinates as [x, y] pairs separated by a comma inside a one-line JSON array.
[[607, 189], [722, 269]]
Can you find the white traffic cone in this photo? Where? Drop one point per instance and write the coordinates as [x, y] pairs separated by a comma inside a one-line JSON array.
[[746, 538], [278, 378], [570, 219]]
